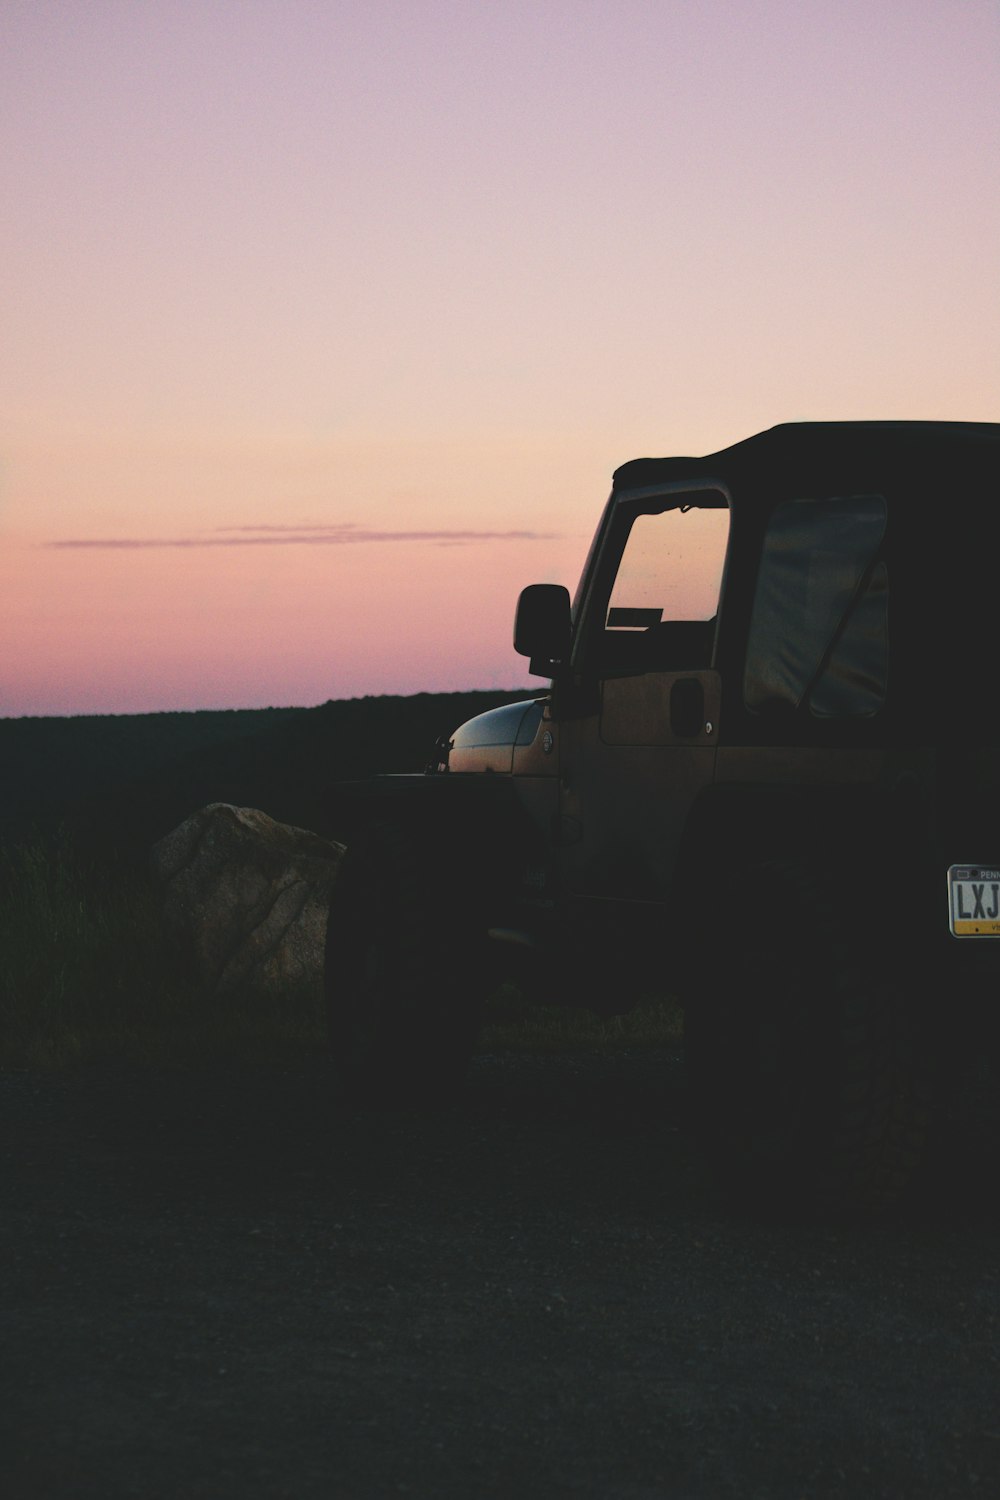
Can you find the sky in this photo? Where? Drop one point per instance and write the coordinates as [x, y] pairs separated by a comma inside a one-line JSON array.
[[323, 323]]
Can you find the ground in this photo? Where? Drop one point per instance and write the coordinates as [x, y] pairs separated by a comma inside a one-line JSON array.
[[214, 1285]]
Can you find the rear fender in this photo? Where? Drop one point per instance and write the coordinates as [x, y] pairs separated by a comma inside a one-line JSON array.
[[872, 845]]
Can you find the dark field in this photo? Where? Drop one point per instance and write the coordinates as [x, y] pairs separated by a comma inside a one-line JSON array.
[[215, 1285], [87, 971]]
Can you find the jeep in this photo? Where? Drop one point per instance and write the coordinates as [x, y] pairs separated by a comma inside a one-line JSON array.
[[765, 777]]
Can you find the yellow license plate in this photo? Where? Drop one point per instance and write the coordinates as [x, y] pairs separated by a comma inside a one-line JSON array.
[[974, 901]]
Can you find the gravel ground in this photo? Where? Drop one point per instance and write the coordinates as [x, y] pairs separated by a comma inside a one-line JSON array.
[[214, 1285]]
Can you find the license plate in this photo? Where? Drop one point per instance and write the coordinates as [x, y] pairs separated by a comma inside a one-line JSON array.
[[974, 901]]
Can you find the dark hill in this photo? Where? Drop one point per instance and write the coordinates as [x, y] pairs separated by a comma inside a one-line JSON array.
[[120, 782], [49, 765]]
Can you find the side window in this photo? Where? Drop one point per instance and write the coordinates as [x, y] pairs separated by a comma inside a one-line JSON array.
[[662, 610], [819, 634]]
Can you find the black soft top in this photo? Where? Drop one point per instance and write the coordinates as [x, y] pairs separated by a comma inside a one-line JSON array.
[[941, 482], [822, 456]]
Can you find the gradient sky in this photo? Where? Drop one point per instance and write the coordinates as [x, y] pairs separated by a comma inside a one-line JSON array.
[[324, 322]]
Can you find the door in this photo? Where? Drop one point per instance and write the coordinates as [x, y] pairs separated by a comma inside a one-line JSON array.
[[641, 748]]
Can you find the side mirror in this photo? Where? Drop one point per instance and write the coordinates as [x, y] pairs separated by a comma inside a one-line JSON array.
[[542, 627]]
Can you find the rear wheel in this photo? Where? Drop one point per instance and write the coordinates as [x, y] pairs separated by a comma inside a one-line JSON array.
[[798, 1056], [403, 971]]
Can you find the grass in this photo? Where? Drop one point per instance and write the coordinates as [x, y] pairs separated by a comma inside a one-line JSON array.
[[87, 974], [513, 1024]]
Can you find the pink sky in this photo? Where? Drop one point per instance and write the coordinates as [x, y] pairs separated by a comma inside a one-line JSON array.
[[406, 281]]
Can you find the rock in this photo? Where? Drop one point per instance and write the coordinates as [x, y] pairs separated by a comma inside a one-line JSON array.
[[248, 897]]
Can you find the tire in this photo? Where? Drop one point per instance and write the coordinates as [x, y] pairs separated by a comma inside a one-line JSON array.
[[403, 973], [800, 1077]]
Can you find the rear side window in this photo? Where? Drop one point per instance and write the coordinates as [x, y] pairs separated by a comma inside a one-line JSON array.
[[819, 629]]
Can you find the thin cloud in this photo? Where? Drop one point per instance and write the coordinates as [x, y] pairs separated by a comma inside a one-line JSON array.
[[339, 535], [313, 527]]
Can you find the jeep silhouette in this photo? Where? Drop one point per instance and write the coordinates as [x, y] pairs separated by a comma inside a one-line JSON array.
[[766, 777]]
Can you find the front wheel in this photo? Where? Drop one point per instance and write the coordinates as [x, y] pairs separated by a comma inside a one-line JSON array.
[[403, 972], [798, 1050]]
